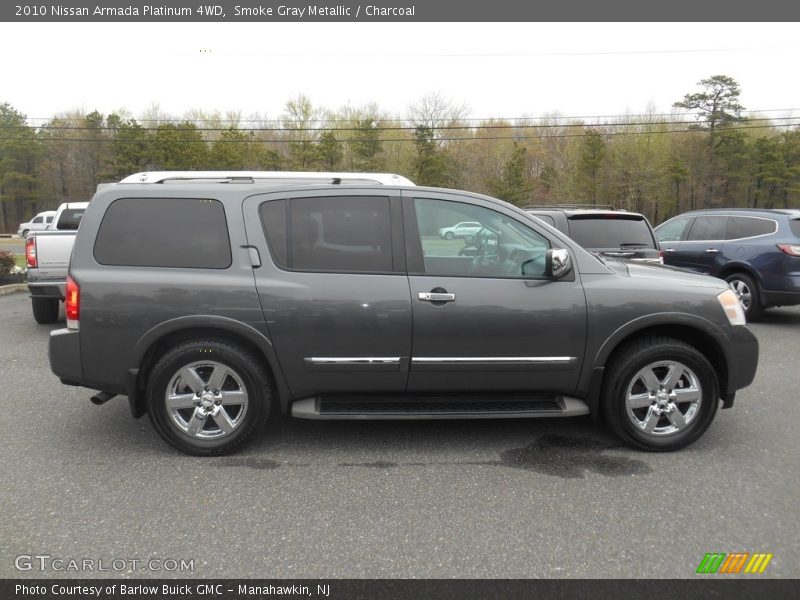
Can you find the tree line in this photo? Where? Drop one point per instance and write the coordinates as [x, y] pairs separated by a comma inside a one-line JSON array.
[[708, 152]]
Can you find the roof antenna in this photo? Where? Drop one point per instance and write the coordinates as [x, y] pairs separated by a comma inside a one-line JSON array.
[[336, 181]]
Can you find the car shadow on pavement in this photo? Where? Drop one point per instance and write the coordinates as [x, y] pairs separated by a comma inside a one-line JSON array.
[[546, 446], [778, 316]]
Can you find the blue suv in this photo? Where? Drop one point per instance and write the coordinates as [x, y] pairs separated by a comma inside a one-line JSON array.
[[757, 251]]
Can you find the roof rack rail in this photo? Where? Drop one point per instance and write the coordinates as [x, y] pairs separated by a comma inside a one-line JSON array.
[[573, 206], [253, 176]]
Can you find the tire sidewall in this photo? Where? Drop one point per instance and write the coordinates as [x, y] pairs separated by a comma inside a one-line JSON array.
[[616, 401], [755, 297], [164, 371], [45, 310]]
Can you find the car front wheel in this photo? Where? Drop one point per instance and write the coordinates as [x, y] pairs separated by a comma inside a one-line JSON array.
[[449, 235], [659, 394], [208, 397]]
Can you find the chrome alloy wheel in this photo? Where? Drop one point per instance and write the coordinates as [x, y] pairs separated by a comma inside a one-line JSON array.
[[206, 400], [743, 291], [663, 398]]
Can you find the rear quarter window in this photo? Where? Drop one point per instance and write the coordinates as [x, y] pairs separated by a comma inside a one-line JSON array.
[[794, 224], [744, 227], [164, 232]]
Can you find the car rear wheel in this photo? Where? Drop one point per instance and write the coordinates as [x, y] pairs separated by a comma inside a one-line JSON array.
[[45, 310], [208, 397], [747, 290], [659, 394]]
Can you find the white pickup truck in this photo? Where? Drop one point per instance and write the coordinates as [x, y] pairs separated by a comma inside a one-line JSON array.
[[47, 254]]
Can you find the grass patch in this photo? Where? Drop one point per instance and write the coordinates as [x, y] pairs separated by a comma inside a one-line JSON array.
[[19, 259]]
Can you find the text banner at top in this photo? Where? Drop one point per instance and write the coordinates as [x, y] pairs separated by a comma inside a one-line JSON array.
[[405, 11]]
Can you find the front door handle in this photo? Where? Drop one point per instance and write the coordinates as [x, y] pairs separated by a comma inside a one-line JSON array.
[[436, 297], [712, 250], [669, 249]]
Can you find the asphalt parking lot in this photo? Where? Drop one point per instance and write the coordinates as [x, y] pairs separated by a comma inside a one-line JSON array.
[[478, 499]]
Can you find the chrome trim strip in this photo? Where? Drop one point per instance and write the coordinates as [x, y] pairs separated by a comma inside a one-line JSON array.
[[354, 360], [492, 359]]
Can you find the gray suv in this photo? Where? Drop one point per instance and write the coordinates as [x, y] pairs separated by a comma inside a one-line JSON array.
[[214, 303]]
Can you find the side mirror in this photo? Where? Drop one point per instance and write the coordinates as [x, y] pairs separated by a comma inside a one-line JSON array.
[[557, 263]]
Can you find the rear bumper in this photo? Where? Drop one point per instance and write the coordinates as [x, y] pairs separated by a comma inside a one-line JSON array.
[[48, 289], [65, 356]]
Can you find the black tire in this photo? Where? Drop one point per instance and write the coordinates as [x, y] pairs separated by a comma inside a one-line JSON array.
[[743, 283], [449, 235], [45, 310], [622, 375], [247, 371], [25, 233]]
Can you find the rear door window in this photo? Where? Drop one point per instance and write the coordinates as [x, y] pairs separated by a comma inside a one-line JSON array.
[[164, 232], [707, 229], [351, 234]]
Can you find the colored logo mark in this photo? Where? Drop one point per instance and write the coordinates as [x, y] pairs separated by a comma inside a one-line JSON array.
[[735, 562]]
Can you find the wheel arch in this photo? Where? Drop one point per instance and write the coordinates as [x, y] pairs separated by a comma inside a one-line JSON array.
[[739, 267], [166, 335], [694, 331]]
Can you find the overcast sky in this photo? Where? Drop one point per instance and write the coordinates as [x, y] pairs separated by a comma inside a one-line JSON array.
[[497, 69]]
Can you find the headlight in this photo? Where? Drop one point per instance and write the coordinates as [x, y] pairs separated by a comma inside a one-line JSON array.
[[732, 307]]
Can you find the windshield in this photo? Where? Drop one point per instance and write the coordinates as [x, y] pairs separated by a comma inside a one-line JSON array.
[[600, 231]]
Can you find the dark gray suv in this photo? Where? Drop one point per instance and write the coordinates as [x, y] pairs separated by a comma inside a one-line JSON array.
[[215, 304]]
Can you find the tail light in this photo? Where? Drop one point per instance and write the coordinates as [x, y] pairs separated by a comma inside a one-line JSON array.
[[72, 303], [661, 256], [790, 249], [30, 252]]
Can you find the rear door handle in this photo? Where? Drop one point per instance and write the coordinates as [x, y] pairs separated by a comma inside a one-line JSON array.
[[669, 249], [435, 297], [255, 257]]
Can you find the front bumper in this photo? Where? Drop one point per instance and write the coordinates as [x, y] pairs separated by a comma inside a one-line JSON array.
[[742, 355]]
